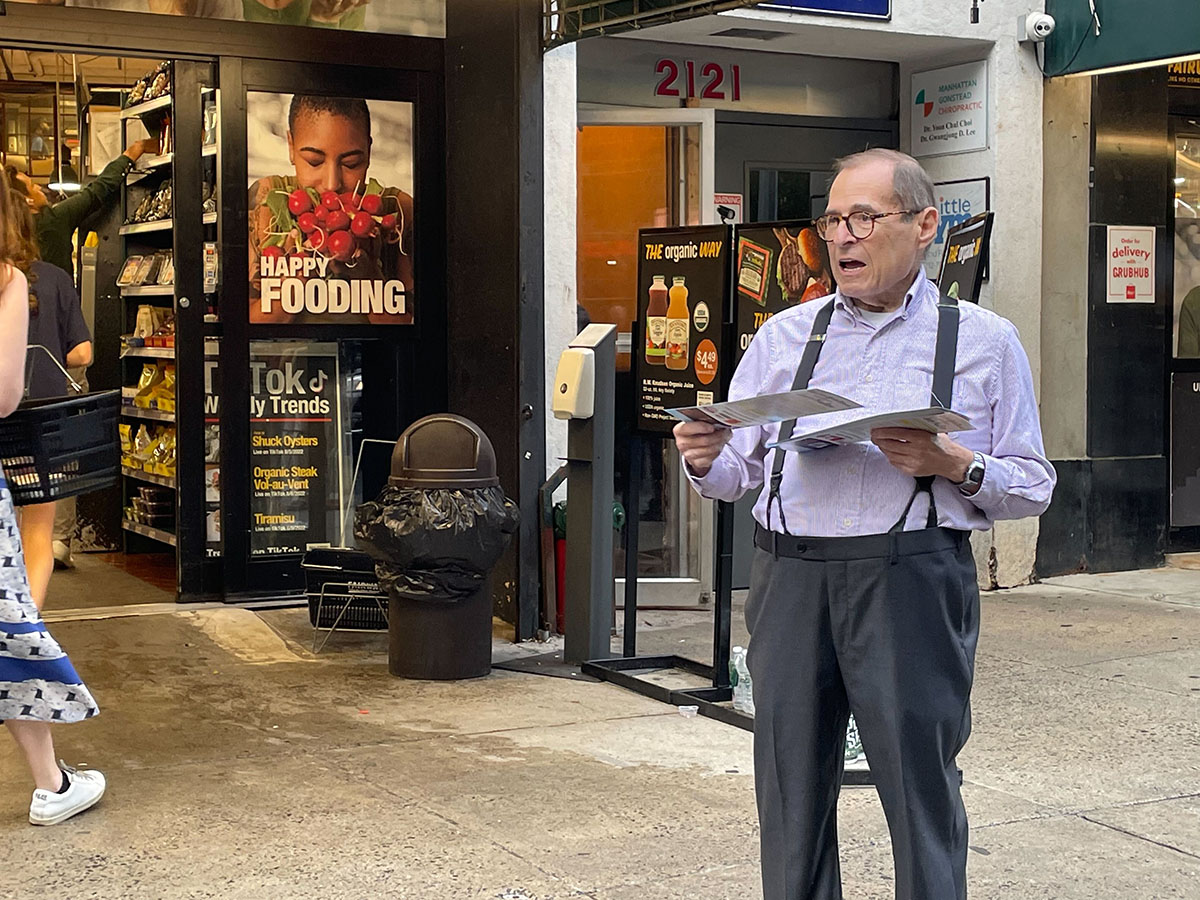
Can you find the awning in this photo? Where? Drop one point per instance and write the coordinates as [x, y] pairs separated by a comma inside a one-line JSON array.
[[1100, 35], [570, 20]]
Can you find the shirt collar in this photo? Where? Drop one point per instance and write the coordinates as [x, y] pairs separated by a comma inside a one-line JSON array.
[[919, 290]]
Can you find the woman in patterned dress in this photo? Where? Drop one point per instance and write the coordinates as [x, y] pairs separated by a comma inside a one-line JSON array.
[[38, 684]]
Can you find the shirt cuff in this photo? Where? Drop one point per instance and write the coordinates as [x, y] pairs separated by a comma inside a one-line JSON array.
[[994, 488]]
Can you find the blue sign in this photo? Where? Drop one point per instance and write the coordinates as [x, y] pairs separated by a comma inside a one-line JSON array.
[[871, 9]]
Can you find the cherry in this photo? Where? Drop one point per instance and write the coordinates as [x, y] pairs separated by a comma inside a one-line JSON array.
[[274, 251], [388, 222], [350, 201], [331, 201], [362, 224], [372, 203], [299, 202], [317, 239], [321, 213], [337, 221], [341, 245], [307, 222]]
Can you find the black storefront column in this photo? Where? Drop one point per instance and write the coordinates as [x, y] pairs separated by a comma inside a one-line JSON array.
[[1110, 510], [494, 285]]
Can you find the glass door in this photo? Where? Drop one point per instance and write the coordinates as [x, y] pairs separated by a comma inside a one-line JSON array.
[[645, 169], [1185, 340]]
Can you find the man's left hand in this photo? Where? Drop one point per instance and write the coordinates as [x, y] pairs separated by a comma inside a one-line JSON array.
[[919, 453]]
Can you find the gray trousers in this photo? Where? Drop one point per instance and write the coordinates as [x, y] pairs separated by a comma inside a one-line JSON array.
[[885, 626]]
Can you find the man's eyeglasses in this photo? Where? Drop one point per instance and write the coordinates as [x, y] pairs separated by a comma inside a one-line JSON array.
[[860, 224]]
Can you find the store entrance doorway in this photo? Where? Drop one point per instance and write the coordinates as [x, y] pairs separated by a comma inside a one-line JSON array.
[[637, 169]]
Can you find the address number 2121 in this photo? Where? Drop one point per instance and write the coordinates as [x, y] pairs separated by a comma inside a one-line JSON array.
[[708, 81]]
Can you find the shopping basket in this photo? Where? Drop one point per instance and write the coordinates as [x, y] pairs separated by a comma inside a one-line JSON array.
[[61, 447]]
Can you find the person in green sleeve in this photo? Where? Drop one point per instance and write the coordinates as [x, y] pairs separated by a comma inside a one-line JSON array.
[[55, 224]]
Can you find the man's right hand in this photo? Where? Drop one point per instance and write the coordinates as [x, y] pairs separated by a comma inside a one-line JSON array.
[[135, 150], [700, 444]]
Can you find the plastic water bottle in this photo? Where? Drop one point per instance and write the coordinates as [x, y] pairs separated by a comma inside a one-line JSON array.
[[739, 677]]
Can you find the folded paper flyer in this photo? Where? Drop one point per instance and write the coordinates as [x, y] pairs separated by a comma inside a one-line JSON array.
[[766, 408], [933, 419]]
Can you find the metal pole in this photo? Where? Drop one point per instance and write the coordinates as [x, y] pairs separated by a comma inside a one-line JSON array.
[[590, 446], [633, 494], [723, 582]]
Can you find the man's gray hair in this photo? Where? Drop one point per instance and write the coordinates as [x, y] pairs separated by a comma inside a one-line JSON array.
[[912, 185]]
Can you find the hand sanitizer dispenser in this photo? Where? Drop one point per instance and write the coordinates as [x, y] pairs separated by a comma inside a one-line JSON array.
[[575, 384]]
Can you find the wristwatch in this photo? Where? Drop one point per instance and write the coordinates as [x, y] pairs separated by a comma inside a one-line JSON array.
[[973, 480]]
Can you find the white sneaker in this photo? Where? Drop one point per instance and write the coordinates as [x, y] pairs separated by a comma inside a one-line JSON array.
[[62, 555], [85, 791]]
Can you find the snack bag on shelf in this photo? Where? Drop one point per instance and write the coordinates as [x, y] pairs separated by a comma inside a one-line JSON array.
[[162, 395], [152, 376]]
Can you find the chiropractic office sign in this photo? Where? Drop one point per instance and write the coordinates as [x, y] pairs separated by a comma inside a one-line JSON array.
[[950, 110]]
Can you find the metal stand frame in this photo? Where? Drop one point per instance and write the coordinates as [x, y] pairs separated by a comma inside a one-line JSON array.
[[708, 700], [345, 606]]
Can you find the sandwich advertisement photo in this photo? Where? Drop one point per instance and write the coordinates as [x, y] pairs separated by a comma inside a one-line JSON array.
[[778, 265]]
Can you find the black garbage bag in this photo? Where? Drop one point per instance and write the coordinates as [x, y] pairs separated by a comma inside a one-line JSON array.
[[435, 545]]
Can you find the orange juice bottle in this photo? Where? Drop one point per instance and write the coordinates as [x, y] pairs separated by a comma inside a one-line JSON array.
[[678, 323]]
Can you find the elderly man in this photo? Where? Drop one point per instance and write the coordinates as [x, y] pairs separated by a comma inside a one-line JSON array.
[[863, 594]]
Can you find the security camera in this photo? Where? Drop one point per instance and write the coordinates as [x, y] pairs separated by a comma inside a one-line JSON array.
[[1035, 27]]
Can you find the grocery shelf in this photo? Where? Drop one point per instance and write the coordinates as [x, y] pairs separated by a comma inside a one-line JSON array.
[[160, 480], [139, 109], [143, 227], [149, 352], [157, 534], [156, 415], [146, 166], [149, 290], [209, 150]]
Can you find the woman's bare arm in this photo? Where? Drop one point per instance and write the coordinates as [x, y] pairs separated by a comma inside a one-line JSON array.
[[14, 334]]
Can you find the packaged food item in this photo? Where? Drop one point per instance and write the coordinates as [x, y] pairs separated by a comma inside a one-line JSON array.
[[128, 271], [152, 376], [166, 274], [145, 323], [162, 394], [142, 442], [143, 272]]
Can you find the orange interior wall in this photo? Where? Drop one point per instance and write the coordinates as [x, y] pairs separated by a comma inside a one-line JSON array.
[[622, 186]]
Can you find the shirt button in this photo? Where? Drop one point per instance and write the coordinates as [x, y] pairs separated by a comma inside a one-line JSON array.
[[867, 379], [847, 522]]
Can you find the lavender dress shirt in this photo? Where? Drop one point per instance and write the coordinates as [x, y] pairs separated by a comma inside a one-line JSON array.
[[854, 490]]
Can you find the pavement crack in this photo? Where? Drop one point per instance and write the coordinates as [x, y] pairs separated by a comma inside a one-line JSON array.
[[1140, 837]]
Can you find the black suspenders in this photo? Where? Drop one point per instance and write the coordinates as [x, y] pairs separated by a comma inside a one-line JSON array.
[[944, 359]]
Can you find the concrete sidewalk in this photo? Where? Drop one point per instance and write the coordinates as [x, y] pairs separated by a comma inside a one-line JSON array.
[[241, 766]]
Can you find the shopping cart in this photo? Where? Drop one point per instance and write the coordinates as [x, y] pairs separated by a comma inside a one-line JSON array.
[[63, 446]]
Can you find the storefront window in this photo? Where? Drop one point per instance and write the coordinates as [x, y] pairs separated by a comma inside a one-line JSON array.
[[1187, 246]]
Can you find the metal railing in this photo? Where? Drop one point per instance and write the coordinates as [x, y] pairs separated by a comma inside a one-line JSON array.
[[569, 20]]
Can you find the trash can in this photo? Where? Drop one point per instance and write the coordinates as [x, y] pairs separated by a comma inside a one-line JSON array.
[[435, 533]]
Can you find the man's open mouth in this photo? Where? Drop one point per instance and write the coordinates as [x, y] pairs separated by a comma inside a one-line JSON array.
[[851, 265]]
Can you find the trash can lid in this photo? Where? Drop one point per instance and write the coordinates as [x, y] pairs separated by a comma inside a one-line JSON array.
[[443, 451]]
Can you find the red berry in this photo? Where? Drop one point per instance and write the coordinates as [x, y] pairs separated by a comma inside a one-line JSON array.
[[331, 201], [372, 203], [321, 213], [362, 224], [307, 222], [341, 245], [316, 240], [350, 201], [388, 222], [337, 221], [274, 251], [299, 202]]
